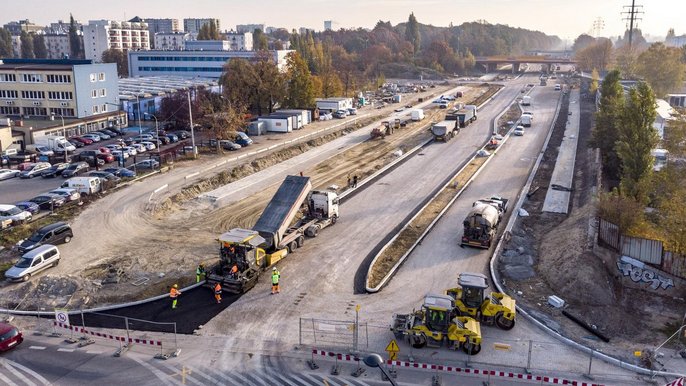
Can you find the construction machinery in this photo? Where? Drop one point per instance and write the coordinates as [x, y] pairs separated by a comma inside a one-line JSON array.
[[444, 130], [382, 131], [471, 300], [436, 323], [244, 253], [481, 223], [467, 115]]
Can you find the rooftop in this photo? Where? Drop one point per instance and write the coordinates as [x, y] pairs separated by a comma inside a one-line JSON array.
[[148, 86], [41, 64]]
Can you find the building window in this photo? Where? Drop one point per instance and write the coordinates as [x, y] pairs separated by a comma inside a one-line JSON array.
[[8, 78], [101, 76], [96, 109], [62, 111], [103, 92], [9, 110], [60, 95], [103, 108], [93, 77], [33, 94], [8, 94], [31, 78], [59, 78], [94, 93], [35, 111]]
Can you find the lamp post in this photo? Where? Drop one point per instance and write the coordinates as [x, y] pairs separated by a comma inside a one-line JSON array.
[[138, 114], [157, 135], [375, 360], [190, 118]]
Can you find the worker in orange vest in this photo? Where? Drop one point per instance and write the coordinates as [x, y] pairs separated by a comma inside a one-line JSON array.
[[174, 294], [234, 271], [218, 293]]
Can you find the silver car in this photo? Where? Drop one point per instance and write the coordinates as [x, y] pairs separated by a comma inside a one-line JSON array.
[[68, 194], [8, 173], [34, 261]]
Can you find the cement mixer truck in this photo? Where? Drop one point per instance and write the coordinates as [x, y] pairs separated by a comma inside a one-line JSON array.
[[481, 224]]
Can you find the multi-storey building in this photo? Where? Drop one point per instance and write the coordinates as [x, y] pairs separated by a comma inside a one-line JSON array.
[[193, 25], [57, 45], [241, 28], [17, 27], [161, 26], [62, 27], [43, 88], [102, 35], [206, 63], [239, 41], [171, 41]]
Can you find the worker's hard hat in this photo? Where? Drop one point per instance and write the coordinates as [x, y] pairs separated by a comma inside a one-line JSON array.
[[176, 286], [274, 269]]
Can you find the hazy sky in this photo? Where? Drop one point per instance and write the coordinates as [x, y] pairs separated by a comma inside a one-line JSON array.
[[565, 18]]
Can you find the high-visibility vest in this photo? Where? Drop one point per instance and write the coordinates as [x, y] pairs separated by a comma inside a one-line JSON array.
[[275, 278], [217, 289], [174, 293]]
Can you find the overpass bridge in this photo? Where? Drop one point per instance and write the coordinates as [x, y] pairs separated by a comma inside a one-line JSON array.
[[491, 62]]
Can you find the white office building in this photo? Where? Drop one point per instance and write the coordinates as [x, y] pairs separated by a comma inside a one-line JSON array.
[[102, 35], [57, 45], [241, 28], [193, 25], [171, 41]]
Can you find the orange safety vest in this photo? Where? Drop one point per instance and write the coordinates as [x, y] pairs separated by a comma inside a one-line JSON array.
[[234, 269], [217, 289], [174, 293]]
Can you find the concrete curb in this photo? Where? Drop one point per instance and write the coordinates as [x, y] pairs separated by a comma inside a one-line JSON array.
[[494, 277]]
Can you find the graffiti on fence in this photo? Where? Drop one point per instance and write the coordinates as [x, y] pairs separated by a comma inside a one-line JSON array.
[[640, 273]]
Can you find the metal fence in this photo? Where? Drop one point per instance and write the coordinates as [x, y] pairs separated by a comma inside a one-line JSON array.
[[645, 250], [347, 335]]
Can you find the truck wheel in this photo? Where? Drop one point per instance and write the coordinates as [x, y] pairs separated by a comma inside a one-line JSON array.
[[334, 219], [301, 241], [470, 348], [504, 323], [418, 341], [292, 246]]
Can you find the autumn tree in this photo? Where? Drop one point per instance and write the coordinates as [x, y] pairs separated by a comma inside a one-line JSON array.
[[26, 45], [637, 138], [271, 84], [39, 48], [208, 31], [259, 85], [582, 41], [259, 39], [412, 33], [119, 57], [174, 108], [662, 68], [238, 83], [604, 134], [595, 77], [623, 211], [597, 55], [299, 84], [220, 116], [6, 50], [673, 221], [626, 60], [75, 42]]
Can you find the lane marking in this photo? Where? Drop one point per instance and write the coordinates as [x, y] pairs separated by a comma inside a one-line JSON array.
[[158, 373], [184, 374], [94, 352], [10, 364], [37, 347], [3, 378], [65, 349], [203, 374]]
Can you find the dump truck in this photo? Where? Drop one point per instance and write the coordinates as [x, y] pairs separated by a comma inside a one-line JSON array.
[[467, 115], [444, 130], [244, 253], [471, 300], [481, 224], [383, 130], [526, 100], [435, 323]]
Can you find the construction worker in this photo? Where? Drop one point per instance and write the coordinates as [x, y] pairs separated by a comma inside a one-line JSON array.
[[276, 275], [200, 272], [218, 293], [234, 271], [174, 294], [355, 181]]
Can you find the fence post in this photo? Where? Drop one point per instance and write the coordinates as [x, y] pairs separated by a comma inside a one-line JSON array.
[[38, 323], [590, 363], [528, 360], [314, 332], [300, 331]]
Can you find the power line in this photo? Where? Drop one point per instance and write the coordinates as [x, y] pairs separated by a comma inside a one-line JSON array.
[[632, 13], [598, 26]]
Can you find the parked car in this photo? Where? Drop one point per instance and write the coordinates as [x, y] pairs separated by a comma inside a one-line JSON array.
[[75, 169], [120, 154], [120, 172], [149, 145], [164, 140], [14, 213], [6, 174], [55, 170], [183, 134], [352, 111], [519, 131], [116, 131], [139, 148], [40, 150], [68, 194], [49, 201], [28, 206], [114, 146], [104, 150], [109, 132], [55, 233], [35, 170], [107, 157], [146, 164], [85, 141], [172, 137], [102, 135], [76, 144], [25, 165], [93, 137], [131, 150], [105, 176], [34, 261], [340, 114], [142, 137], [4, 160], [229, 145], [243, 139], [10, 336]]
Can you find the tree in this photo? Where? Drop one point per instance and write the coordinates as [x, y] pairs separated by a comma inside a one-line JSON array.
[[259, 40], [299, 84], [662, 68], [582, 41], [597, 55], [675, 136], [412, 33], [120, 58], [6, 50], [208, 31], [259, 85], [219, 115], [174, 108], [604, 134], [75, 42], [271, 85], [238, 81], [594, 81], [26, 45], [39, 48], [626, 59], [625, 212], [637, 138]]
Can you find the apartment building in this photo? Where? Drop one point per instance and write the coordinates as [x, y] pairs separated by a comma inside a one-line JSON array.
[[102, 35], [34, 88], [171, 40], [17, 27], [239, 41], [57, 45], [193, 26], [242, 28]]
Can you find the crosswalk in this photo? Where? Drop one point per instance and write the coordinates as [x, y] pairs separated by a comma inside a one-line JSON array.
[[16, 374]]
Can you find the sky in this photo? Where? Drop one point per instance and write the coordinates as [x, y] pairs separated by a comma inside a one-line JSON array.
[[564, 18]]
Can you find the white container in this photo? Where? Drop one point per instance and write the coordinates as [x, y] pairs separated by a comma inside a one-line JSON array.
[[556, 301]]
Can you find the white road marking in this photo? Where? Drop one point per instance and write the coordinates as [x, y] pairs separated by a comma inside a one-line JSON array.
[[94, 352], [228, 380], [184, 378], [12, 366], [37, 347], [279, 377], [203, 374], [65, 349], [3, 378], [159, 374]]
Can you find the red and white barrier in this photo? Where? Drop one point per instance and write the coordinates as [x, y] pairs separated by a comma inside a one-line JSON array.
[[149, 342], [453, 369]]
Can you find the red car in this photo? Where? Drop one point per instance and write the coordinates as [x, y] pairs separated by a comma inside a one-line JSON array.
[[10, 336], [106, 157], [84, 141], [104, 150]]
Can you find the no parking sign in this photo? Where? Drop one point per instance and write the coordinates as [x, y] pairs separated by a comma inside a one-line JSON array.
[[61, 316]]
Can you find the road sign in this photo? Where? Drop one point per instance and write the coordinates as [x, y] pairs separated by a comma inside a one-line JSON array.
[[61, 316], [392, 349]]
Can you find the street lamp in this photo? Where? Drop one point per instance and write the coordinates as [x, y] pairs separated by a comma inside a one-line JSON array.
[[157, 135], [138, 113], [375, 360], [64, 133], [190, 118]]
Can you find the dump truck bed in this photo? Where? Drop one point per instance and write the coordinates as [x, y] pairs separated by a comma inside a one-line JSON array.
[[281, 210]]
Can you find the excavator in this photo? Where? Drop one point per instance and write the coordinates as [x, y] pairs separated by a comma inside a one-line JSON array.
[[435, 323], [471, 300]]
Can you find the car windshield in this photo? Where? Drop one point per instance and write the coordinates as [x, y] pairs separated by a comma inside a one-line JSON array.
[[9, 334], [36, 237], [13, 211], [24, 263]]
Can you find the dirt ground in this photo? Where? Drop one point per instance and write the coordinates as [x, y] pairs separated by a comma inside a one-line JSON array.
[[158, 250], [567, 265]]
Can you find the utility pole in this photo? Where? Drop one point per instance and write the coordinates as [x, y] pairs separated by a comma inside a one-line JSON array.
[[632, 13]]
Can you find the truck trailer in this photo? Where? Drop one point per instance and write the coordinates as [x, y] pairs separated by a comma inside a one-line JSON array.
[[56, 143], [444, 130], [245, 253], [481, 224], [466, 115]]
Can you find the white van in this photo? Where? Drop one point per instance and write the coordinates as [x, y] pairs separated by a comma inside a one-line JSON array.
[[526, 120], [40, 150], [34, 261], [84, 185]]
